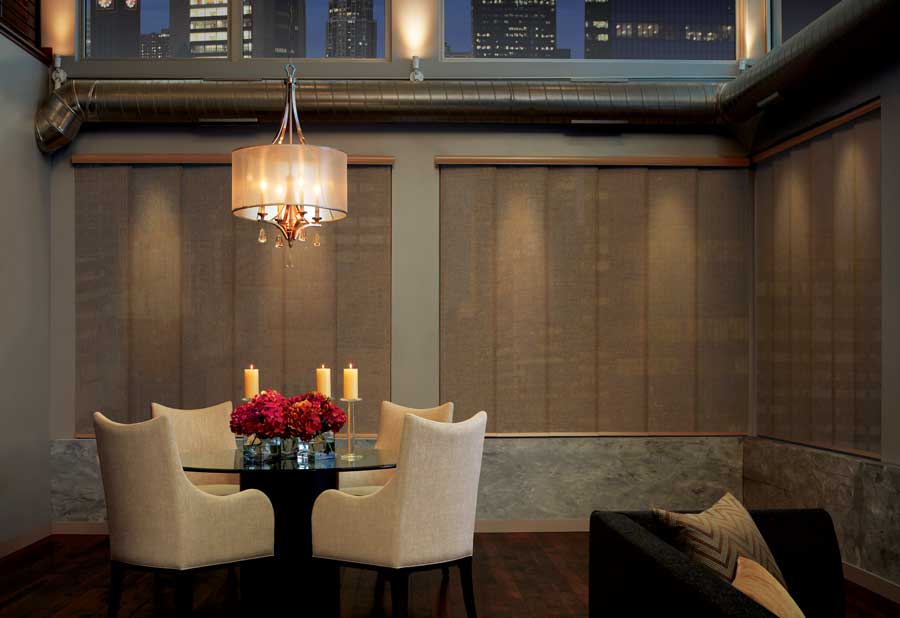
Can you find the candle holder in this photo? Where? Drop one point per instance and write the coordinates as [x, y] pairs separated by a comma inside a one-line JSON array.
[[350, 455]]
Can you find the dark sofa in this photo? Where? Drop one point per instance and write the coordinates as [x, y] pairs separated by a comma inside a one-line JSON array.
[[636, 571]]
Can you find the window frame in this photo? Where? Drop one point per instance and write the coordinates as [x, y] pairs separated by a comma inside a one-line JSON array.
[[397, 58]]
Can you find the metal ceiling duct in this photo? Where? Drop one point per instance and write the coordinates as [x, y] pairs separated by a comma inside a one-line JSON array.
[[828, 48], [851, 26], [355, 102]]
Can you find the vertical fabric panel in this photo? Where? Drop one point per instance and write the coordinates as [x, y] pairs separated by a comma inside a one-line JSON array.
[[101, 294], [175, 296], [844, 288], [825, 243], [364, 290], [781, 303], [310, 314], [621, 300], [822, 318], [468, 315], [521, 300], [723, 314], [867, 290], [671, 289], [259, 329], [207, 288], [570, 297], [765, 284], [571, 294], [801, 309], [155, 289]]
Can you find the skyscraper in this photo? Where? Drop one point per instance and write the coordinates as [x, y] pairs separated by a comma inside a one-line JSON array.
[[515, 29], [278, 29], [155, 45], [115, 27], [199, 28], [352, 31], [659, 29], [597, 19]]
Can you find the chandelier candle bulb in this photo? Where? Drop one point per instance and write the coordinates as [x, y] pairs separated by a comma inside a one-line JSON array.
[[251, 382], [351, 383], [323, 380]]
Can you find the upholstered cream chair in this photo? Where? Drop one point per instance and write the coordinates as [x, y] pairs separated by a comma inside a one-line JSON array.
[[203, 429], [390, 431], [159, 521], [424, 517]]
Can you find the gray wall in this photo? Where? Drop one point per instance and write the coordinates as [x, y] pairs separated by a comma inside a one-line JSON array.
[[25, 285], [861, 495]]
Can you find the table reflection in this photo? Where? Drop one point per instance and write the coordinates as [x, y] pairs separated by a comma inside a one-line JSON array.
[[232, 460]]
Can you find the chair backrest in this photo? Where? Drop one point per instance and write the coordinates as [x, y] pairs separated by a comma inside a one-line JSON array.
[[203, 429], [144, 486], [435, 488], [390, 421]]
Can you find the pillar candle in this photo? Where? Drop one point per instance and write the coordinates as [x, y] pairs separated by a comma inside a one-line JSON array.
[[251, 382], [351, 382], [323, 380]]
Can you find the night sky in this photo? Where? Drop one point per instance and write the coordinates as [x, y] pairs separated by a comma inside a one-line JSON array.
[[155, 16]]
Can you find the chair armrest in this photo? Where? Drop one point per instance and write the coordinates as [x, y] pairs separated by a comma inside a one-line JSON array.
[[806, 549], [635, 573], [351, 528], [222, 529]]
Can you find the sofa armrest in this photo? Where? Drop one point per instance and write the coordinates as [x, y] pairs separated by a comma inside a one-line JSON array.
[[806, 549], [635, 573]]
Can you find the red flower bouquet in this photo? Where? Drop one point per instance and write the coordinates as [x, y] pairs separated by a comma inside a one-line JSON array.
[[272, 415], [313, 413], [264, 416]]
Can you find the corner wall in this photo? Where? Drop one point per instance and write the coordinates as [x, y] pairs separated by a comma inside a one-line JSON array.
[[24, 311]]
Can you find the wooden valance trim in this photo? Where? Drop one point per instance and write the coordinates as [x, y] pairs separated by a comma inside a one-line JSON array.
[[194, 159], [826, 447], [556, 434], [816, 131], [609, 161]]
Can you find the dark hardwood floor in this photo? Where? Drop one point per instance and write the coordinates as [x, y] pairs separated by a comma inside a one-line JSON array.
[[516, 575]]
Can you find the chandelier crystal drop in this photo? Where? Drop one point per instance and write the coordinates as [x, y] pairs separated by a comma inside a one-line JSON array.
[[289, 184]]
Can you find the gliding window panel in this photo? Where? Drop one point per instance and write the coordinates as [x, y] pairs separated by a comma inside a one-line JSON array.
[[819, 290], [585, 299], [174, 296]]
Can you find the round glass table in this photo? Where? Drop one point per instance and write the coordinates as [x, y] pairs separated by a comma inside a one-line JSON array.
[[292, 485]]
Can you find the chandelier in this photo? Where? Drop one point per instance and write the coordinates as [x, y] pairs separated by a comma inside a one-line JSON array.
[[289, 184]]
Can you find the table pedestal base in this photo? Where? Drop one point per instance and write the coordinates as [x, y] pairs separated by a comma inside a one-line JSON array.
[[292, 578]]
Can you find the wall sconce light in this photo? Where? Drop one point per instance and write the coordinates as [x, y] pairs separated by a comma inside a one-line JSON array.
[[416, 75], [58, 76]]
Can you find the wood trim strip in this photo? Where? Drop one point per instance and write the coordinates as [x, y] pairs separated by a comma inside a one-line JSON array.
[[79, 527], [825, 447], [609, 161], [816, 131], [872, 582], [554, 434], [194, 159], [490, 526]]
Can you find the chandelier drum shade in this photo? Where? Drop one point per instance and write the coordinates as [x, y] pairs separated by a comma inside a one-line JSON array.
[[289, 184]]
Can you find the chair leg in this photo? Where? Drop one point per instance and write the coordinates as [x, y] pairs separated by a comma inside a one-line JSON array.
[[184, 594], [399, 594], [116, 577], [465, 576], [442, 605], [378, 602]]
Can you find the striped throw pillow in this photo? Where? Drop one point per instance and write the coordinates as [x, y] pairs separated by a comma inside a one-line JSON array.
[[719, 535]]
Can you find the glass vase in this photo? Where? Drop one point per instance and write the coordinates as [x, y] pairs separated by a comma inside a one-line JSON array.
[[322, 446], [272, 449], [253, 449], [289, 448]]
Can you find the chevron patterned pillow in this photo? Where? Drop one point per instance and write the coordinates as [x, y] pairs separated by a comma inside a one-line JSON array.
[[719, 535]]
